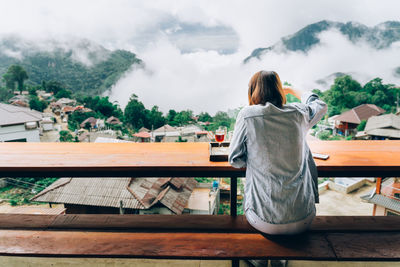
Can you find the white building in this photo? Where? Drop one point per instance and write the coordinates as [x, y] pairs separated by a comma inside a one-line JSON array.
[[18, 124]]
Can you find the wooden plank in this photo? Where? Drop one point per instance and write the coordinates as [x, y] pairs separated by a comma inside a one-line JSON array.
[[374, 246], [355, 224], [26, 221], [347, 158], [186, 223], [163, 245]]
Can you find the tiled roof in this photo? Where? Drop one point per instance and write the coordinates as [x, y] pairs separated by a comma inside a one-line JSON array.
[[135, 193], [359, 113], [10, 115], [165, 128], [142, 135], [90, 120]]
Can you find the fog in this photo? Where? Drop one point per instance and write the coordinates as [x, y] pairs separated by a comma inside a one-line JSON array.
[[208, 81], [193, 50]]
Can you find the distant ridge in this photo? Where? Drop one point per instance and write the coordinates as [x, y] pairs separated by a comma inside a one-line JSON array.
[[380, 36]]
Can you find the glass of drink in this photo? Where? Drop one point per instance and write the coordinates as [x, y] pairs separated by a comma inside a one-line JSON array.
[[220, 135]]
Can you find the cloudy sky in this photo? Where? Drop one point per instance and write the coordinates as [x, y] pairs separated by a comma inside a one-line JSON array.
[[193, 50]]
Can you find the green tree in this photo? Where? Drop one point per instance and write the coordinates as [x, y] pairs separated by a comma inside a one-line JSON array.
[[103, 106], [63, 93], [135, 113], [155, 118], [171, 116], [53, 86], [37, 104], [77, 117], [362, 125], [342, 94], [204, 117], [5, 94], [183, 117], [15, 74], [66, 136]]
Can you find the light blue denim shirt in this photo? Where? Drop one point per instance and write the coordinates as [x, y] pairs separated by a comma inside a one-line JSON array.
[[271, 143]]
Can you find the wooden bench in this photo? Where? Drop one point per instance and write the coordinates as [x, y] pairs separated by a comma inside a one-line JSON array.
[[335, 238]]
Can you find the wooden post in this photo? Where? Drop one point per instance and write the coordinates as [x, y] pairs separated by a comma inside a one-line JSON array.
[[233, 196], [121, 207], [378, 185]]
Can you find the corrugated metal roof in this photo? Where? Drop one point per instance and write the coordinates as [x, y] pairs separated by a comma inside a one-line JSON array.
[[384, 201], [135, 193], [383, 121], [103, 192], [10, 114]]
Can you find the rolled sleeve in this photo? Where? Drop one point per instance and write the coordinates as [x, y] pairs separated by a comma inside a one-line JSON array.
[[316, 108], [237, 149]]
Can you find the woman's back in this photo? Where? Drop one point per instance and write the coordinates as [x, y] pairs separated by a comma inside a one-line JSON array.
[[269, 138], [279, 186]]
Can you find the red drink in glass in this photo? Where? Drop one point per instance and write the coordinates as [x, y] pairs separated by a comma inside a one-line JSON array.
[[219, 137]]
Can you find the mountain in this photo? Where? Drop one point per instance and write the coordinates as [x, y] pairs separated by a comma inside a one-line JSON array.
[[81, 65], [380, 36]]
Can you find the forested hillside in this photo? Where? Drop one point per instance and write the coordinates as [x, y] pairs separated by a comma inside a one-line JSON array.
[[89, 69]]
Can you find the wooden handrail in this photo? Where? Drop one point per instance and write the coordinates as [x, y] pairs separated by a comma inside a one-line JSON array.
[[347, 159]]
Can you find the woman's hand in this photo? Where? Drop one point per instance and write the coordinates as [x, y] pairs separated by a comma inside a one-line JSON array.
[[289, 90]]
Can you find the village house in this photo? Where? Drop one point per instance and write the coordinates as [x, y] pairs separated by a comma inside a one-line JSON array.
[[385, 197], [144, 129], [130, 196], [93, 123], [66, 102], [18, 124], [113, 121], [19, 98], [383, 127], [142, 137], [166, 133], [347, 122]]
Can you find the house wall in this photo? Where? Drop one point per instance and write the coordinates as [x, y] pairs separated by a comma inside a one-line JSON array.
[[380, 211], [47, 126], [16, 132]]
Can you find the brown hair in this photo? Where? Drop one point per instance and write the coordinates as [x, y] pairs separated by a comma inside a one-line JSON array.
[[266, 86]]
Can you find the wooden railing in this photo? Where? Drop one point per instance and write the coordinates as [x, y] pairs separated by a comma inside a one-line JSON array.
[[347, 159]]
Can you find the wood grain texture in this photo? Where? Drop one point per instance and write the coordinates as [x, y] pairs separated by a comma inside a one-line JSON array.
[[375, 246], [186, 223], [347, 158], [26, 221], [162, 245]]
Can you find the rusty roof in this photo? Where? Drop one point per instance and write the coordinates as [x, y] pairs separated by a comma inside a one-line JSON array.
[[135, 193], [360, 113], [113, 120], [90, 120], [142, 135]]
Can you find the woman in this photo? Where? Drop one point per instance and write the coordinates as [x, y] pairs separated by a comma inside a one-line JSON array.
[[270, 141]]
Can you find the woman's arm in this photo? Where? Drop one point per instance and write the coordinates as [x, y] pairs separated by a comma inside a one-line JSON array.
[[237, 148], [316, 108]]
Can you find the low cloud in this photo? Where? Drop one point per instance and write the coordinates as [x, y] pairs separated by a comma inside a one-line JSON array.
[[208, 81]]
